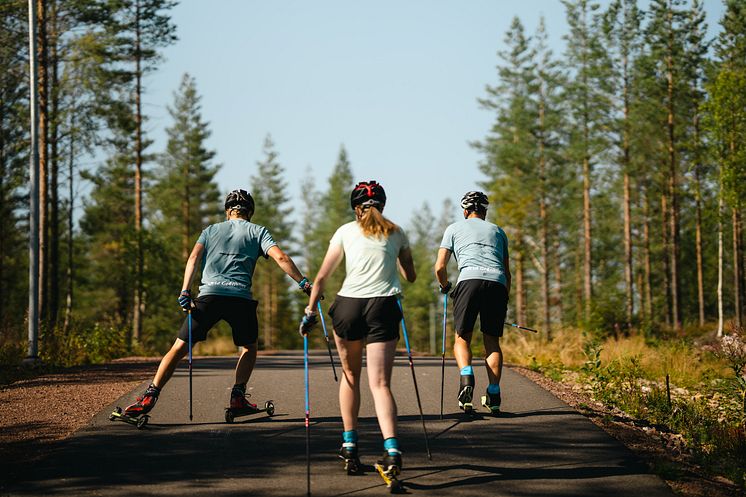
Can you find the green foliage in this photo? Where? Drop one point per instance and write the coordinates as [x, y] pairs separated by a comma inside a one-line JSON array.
[[94, 344]]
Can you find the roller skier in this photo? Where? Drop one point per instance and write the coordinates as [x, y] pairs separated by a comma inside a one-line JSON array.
[[229, 252], [482, 289]]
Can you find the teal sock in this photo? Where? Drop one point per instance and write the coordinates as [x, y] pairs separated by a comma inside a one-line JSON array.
[[493, 388], [467, 371], [391, 445], [349, 436]]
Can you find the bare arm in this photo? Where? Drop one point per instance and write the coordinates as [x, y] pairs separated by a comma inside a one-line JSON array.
[[441, 266], [331, 260], [191, 265], [406, 265], [285, 262]]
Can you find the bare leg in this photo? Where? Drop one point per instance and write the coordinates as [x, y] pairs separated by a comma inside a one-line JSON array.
[[351, 356], [379, 364], [245, 364], [168, 364], [462, 350], [493, 358]]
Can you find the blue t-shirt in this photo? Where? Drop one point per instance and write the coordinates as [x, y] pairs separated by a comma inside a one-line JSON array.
[[480, 248], [231, 251]]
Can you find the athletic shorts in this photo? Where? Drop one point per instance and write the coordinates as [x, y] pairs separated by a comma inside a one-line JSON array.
[[376, 318], [239, 313], [486, 299]]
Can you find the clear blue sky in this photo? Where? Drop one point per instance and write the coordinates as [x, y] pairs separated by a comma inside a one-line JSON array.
[[396, 82]]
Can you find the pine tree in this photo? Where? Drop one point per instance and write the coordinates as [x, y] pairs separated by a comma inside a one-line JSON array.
[[184, 198], [622, 23], [727, 125], [270, 285], [13, 167], [587, 100], [510, 153], [334, 209]]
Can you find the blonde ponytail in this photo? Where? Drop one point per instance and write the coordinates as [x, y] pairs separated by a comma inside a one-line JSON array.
[[373, 223]]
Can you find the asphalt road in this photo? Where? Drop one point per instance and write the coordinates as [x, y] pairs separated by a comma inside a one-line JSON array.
[[537, 446]]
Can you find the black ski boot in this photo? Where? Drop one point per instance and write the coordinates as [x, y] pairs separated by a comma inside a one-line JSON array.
[[492, 402], [466, 392], [389, 467], [348, 453]]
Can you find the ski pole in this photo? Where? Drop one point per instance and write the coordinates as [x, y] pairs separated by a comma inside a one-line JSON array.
[[443, 358], [326, 336], [521, 327], [414, 378], [189, 325], [308, 412]]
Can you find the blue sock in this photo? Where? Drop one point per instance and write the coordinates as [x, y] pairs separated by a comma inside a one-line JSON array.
[[493, 388], [349, 436], [391, 445], [467, 371]]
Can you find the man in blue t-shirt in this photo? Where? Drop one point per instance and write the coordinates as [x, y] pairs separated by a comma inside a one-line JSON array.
[[481, 250], [229, 252]]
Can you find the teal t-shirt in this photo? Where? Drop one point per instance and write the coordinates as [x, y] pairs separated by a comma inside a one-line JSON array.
[[231, 251], [480, 248]]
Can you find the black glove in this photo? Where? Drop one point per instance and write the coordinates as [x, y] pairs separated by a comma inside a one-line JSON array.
[[185, 300], [308, 322], [445, 289], [305, 285]]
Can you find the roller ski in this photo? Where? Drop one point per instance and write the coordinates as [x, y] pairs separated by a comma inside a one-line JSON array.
[[492, 402], [240, 406], [466, 393], [137, 413], [348, 453], [389, 467]]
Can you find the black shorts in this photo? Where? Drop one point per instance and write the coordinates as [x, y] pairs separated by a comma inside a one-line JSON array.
[[239, 313], [376, 318], [488, 299]]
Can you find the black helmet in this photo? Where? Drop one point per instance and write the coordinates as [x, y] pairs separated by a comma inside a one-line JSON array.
[[239, 200], [368, 193], [475, 201]]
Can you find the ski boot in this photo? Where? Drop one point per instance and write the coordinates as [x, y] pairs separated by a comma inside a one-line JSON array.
[[492, 402], [137, 413], [348, 453], [240, 405], [466, 391], [389, 467]]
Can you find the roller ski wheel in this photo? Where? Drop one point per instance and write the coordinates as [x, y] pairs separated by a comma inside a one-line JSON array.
[[390, 477], [231, 413], [139, 421]]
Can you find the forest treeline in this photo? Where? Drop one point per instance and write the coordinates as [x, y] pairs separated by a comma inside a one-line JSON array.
[[616, 166]]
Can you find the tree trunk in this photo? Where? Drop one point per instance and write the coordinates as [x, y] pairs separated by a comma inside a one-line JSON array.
[[578, 287], [720, 258], [736, 267], [41, 6], [138, 304], [673, 184], [666, 257], [698, 248], [544, 223], [54, 221], [70, 192], [628, 268], [587, 241], [558, 282], [647, 262]]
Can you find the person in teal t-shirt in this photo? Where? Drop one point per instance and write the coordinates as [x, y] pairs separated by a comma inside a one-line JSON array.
[[482, 289], [229, 252]]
